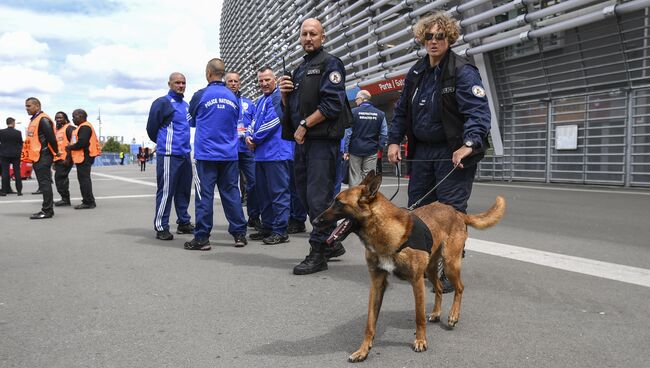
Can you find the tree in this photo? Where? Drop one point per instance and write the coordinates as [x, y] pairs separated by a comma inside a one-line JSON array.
[[111, 145]]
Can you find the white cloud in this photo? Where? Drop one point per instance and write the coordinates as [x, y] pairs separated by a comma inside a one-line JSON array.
[[122, 95], [23, 80], [20, 46]]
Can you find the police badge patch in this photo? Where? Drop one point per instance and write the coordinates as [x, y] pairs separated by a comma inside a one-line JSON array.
[[335, 77], [478, 91]]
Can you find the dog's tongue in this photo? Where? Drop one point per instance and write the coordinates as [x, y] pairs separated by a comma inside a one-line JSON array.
[[337, 232]]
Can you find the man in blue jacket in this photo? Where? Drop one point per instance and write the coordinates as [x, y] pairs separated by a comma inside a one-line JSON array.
[[272, 155], [214, 111], [168, 126], [246, 159], [365, 138]]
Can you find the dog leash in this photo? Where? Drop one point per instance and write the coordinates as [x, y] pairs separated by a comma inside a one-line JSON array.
[[398, 172]]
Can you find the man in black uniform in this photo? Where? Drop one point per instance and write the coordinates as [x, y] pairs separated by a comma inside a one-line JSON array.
[[316, 115], [40, 148], [62, 164], [11, 144], [83, 148]]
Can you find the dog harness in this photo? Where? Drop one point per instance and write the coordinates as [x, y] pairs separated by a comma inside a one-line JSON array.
[[420, 237]]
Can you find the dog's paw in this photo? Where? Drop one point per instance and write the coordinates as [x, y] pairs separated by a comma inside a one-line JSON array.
[[358, 356], [419, 345], [434, 318], [452, 321]]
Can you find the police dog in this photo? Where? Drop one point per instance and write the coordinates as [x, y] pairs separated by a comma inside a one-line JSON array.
[[384, 229]]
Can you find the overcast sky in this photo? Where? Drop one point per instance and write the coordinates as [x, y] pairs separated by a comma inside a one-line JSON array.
[[110, 54]]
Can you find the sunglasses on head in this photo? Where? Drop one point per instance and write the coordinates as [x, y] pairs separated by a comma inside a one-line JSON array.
[[439, 36]]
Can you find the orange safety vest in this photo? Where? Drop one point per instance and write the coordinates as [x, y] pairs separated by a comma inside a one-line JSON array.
[[94, 148], [32, 145], [62, 142]]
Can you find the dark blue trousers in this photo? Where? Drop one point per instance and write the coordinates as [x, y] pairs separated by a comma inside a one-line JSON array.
[[223, 174], [315, 172], [174, 178], [273, 192], [339, 174], [247, 167], [298, 211], [454, 191]]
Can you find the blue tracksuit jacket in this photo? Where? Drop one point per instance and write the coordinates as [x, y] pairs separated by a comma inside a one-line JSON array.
[[168, 125]]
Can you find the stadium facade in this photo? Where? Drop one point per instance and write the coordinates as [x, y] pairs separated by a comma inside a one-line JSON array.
[[568, 81]]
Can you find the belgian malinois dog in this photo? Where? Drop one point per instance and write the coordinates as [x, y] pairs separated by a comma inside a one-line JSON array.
[[392, 236]]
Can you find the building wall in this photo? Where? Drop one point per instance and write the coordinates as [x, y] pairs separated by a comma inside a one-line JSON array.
[[552, 67]]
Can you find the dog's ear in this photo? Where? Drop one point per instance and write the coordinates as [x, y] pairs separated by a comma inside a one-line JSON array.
[[371, 187], [368, 178]]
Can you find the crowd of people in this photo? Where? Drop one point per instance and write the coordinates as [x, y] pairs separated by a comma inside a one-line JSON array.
[[49, 145], [288, 146]]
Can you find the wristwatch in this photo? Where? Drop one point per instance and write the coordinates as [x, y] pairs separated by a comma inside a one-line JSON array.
[[303, 123], [469, 144]]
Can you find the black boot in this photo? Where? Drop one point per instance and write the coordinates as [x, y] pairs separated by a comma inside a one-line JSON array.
[[314, 262]]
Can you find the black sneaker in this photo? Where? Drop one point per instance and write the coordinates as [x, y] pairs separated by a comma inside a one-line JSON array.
[[276, 239], [260, 235], [62, 203], [164, 235], [447, 287], [185, 228], [197, 244], [240, 240], [255, 223], [296, 227], [334, 250], [3, 194], [314, 262], [41, 215], [85, 206]]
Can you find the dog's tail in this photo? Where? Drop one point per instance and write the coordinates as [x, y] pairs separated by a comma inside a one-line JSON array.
[[488, 218]]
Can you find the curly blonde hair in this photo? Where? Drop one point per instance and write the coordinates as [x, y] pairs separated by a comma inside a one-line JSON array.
[[445, 23]]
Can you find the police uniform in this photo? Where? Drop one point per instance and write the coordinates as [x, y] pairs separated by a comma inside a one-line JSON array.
[[214, 112], [366, 138], [272, 155], [319, 83], [441, 108], [168, 125], [247, 158]]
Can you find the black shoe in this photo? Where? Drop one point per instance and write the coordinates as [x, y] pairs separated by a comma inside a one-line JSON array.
[[197, 245], [62, 203], [314, 262], [255, 223], [19, 194], [41, 215], [260, 235], [240, 240], [3, 194], [447, 287], [334, 250], [185, 228], [37, 192], [276, 239], [296, 227], [164, 235], [85, 206]]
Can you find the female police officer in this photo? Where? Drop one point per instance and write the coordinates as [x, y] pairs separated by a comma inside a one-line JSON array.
[[444, 112]]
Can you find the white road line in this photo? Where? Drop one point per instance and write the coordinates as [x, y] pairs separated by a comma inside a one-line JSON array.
[[136, 181], [79, 198], [612, 271]]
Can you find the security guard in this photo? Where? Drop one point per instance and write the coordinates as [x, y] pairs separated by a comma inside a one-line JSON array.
[[246, 159], [168, 125], [40, 148], [272, 155], [62, 164], [366, 138], [444, 112], [214, 111], [84, 147], [316, 115]]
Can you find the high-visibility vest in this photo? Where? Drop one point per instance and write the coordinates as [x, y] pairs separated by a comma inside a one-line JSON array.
[[94, 149], [32, 145], [62, 142]]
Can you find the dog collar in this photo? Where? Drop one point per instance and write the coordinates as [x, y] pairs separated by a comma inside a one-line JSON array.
[[420, 237]]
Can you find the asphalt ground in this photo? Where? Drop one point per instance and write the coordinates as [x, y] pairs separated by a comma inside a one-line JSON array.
[[94, 288]]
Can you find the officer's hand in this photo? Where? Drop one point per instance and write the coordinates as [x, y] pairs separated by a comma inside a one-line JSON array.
[[460, 154], [394, 155], [299, 135], [346, 156], [285, 84]]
